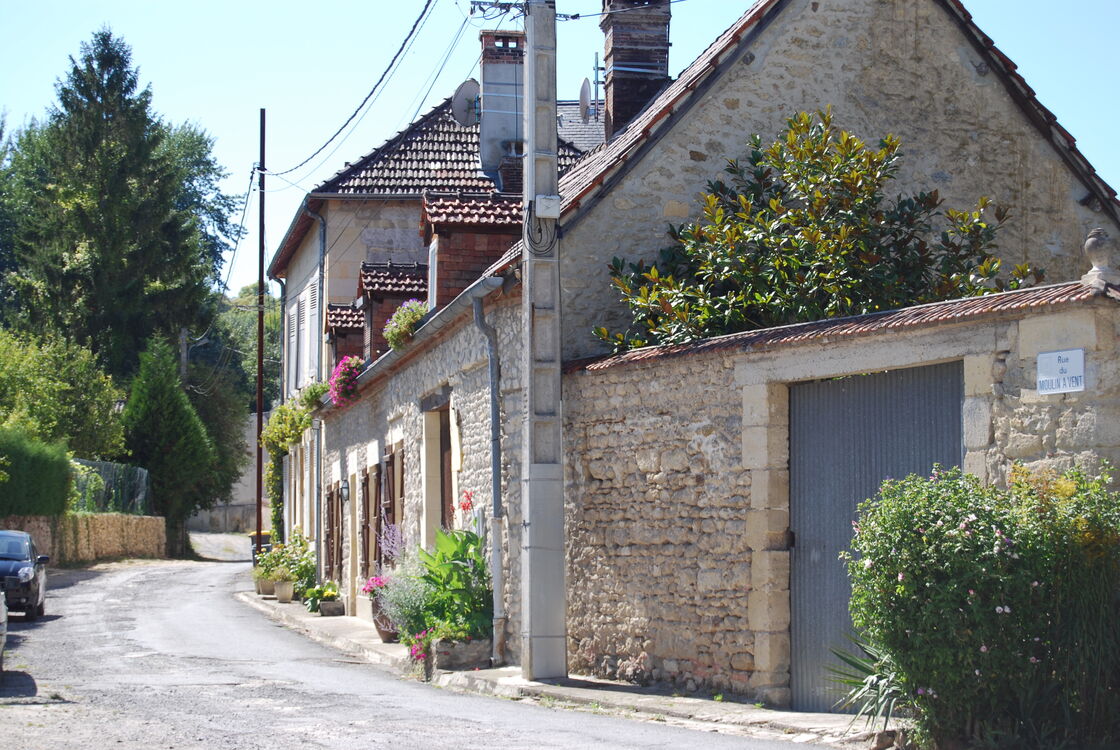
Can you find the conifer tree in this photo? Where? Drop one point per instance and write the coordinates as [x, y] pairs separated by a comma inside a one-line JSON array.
[[166, 436]]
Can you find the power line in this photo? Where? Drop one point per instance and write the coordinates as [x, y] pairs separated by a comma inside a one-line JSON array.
[[443, 64], [577, 16], [400, 50]]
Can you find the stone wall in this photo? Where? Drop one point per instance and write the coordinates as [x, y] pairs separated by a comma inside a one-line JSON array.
[[389, 414], [86, 537], [678, 497], [657, 507], [885, 66]]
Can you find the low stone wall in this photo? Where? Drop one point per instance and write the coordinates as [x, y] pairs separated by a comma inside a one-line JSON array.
[[85, 537]]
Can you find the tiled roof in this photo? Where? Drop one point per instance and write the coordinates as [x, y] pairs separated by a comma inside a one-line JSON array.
[[435, 153], [344, 317], [398, 279], [595, 169], [476, 209], [572, 128], [952, 311]]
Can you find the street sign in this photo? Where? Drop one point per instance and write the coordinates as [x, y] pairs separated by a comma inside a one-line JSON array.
[[1061, 372]]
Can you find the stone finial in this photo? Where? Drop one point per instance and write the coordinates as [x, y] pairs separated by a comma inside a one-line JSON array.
[[1099, 250]]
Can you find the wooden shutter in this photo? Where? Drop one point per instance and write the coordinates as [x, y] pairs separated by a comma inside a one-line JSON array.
[[364, 521]]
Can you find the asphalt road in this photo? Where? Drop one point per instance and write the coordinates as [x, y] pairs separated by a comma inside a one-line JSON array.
[[158, 654]]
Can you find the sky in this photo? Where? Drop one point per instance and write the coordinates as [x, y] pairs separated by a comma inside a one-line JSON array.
[[215, 63]]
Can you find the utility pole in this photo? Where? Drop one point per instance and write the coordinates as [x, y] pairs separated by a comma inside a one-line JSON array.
[[544, 648], [260, 337]]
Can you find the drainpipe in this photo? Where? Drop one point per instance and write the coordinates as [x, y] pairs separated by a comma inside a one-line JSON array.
[[496, 513], [287, 514], [317, 424]]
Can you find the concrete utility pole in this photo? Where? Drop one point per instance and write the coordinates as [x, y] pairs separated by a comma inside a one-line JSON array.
[[544, 597]]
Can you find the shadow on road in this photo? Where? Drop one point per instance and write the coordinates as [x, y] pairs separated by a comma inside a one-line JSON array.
[[61, 578], [17, 623], [16, 684]]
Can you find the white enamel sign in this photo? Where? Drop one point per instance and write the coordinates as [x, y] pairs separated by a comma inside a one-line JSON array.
[[1061, 372]]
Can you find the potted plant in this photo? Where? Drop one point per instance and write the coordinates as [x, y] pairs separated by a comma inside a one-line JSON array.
[[262, 573], [284, 581], [324, 600], [373, 587]]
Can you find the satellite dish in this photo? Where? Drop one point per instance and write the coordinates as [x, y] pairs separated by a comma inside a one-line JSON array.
[[585, 101], [464, 105]]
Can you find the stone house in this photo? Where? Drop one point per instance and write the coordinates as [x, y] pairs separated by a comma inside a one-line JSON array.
[[701, 525]]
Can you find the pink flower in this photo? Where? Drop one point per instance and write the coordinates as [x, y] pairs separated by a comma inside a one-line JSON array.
[[1034, 660], [901, 577], [983, 649], [467, 503]]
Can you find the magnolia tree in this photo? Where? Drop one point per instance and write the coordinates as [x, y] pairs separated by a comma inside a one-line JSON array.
[[803, 230]]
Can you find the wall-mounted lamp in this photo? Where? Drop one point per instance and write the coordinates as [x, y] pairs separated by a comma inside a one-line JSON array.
[[344, 490]]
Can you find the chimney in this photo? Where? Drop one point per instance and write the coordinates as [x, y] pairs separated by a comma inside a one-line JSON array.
[[501, 131], [636, 59]]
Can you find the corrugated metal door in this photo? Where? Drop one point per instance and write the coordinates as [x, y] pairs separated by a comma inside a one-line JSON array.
[[846, 436]]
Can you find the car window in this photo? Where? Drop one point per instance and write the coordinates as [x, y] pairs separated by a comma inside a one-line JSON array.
[[12, 548]]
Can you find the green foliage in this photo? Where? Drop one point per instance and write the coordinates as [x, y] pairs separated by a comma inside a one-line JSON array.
[[803, 231], [236, 329], [997, 608], [55, 391], [460, 598], [221, 408], [312, 394], [873, 682], [38, 476], [166, 436], [404, 597], [274, 489], [285, 427], [86, 486], [296, 557], [117, 224], [312, 597], [403, 322]]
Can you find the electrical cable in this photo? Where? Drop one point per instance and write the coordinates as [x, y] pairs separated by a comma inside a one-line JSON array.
[[577, 16], [380, 80], [439, 70]]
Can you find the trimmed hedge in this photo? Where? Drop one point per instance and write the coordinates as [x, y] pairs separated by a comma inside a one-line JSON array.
[[38, 482]]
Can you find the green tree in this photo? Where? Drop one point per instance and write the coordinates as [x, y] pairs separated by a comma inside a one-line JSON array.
[[56, 392], [166, 436], [221, 407], [119, 224], [804, 231], [238, 322]]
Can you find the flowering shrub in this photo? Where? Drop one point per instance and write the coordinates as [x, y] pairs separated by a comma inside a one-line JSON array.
[[374, 584], [344, 381], [403, 322], [467, 503], [996, 607]]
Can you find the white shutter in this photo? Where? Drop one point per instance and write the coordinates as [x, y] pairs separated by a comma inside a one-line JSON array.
[[301, 343], [314, 332], [292, 349]]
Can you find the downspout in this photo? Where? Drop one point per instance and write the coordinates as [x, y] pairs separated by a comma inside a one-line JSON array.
[[496, 513], [317, 429], [287, 515]]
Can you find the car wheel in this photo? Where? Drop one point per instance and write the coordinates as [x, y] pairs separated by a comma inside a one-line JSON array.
[[42, 609]]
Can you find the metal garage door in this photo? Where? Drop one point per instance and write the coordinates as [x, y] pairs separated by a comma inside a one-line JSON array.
[[846, 436]]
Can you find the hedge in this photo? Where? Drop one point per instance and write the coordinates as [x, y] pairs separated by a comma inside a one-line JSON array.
[[38, 476]]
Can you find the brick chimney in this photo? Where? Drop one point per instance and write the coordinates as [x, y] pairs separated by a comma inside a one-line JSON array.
[[636, 59], [501, 131]]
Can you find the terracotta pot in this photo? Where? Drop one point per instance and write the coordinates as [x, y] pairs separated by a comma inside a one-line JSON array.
[[384, 626], [284, 591]]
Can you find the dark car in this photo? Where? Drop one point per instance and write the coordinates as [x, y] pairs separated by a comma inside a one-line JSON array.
[[23, 574]]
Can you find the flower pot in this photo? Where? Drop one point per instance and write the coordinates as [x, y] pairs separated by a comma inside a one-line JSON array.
[[257, 585], [332, 608], [472, 654], [384, 626], [284, 590], [267, 587]]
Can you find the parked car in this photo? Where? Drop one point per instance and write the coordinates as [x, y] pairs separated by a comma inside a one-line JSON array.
[[3, 634], [23, 573]]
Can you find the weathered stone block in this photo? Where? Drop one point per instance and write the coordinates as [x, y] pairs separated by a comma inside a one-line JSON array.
[[770, 570], [766, 529], [977, 422], [772, 652], [768, 611]]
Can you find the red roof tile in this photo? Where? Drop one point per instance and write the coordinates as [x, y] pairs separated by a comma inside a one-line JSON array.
[[952, 311], [475, 209], [395, 279], [344, 317]]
